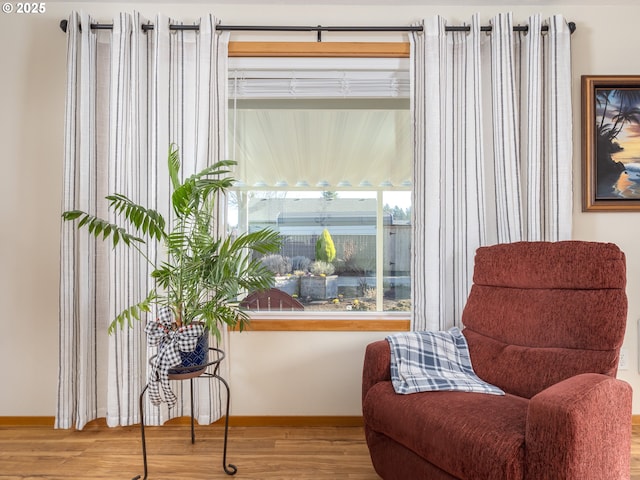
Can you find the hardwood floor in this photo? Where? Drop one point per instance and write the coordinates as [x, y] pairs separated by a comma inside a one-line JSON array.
[[98, 452], [635, 453], [264, 453]]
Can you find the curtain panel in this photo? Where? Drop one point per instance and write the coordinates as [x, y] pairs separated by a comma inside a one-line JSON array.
[[130, 94], [492, 157]]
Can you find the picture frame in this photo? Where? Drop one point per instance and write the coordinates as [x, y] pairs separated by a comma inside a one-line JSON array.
[[611, 142]]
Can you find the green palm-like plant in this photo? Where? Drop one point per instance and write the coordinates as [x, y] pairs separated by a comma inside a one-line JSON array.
[[202, 274]]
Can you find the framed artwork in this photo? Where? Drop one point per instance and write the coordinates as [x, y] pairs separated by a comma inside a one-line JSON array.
[[611, 142]]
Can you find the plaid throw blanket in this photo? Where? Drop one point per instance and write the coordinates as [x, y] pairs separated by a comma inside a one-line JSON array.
[[170, 343], [429, 361]]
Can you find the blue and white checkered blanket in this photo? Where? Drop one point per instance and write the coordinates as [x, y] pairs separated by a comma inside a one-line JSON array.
[[429, 361]]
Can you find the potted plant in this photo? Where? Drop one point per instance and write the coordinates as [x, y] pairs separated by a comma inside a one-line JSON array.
[[201, 274], [284, 278]]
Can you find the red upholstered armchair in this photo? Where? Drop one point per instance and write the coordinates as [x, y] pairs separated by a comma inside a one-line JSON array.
[[544, 322]]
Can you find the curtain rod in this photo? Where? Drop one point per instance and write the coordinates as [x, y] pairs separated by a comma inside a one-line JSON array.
[[319, 28]]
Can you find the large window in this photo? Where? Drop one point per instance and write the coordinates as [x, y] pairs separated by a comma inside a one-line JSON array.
[[324, 158]]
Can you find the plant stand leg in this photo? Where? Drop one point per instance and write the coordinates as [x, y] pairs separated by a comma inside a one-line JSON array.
[[231, 469], [142, 436], [193, 431]]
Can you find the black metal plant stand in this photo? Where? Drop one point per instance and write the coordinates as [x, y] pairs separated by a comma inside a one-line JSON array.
[[192, 373]]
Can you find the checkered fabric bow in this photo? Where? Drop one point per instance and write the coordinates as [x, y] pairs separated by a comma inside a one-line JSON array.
[[170, 343]]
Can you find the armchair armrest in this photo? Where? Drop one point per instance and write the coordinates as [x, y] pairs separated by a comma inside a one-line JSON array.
[[377, 360], [569, 423]]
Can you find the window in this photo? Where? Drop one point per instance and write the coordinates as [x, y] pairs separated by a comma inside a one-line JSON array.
[[323, 150]]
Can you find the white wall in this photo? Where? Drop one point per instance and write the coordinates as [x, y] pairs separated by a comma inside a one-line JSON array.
[[286, 373]]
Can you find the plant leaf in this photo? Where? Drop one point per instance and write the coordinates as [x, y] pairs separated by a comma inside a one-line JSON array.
[[174, 165], [134, 312], [141, 218], [98, 226]]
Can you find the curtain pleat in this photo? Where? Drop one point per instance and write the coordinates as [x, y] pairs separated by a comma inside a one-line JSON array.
[[492, 161], [558, 149], [506, 131], [130, 94], [65, 414]]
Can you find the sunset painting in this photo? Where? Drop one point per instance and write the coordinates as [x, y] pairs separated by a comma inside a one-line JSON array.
[[617, 128]]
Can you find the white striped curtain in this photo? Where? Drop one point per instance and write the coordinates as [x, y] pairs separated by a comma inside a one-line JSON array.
[[130, 93], [493, 151]]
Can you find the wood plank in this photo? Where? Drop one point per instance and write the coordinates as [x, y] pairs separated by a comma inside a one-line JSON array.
[[234, 420], [319, 49], [328, 325], [34, 421], [293, 421]]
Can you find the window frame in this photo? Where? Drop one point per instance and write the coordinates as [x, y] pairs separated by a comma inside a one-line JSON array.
[[320, 321]]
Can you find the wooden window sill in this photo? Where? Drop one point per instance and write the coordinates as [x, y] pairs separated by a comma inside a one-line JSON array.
[[320, 321]]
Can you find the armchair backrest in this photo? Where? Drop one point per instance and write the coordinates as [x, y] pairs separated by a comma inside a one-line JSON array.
[[541, 312]]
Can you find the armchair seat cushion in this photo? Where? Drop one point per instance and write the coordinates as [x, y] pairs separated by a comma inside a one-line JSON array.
[[468, 435]]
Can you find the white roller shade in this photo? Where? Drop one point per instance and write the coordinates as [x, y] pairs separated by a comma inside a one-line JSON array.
[[323, 148], [320, 122]]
